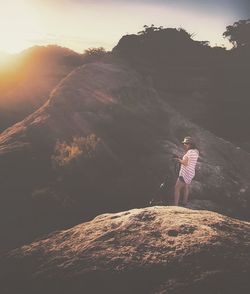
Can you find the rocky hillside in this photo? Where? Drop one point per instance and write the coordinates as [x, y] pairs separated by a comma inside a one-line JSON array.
[[209, 85], [151, 250], [102, 142]]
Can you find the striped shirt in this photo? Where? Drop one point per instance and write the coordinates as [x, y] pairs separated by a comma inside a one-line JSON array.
[[188, 172]]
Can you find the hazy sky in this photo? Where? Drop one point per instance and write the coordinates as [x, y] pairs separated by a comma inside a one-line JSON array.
[[80, 24]]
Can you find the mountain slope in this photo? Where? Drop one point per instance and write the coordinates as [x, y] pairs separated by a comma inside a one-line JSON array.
[[27, 78], [104, 142]]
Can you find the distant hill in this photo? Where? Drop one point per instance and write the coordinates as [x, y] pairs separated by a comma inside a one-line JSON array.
[[104, 142], [26, 79], [209, 85]]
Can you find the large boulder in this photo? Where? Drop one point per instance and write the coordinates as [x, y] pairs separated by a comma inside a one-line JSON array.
[[152, 250]]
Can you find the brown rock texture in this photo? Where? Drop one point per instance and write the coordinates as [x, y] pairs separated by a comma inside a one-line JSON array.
[[150, 250]]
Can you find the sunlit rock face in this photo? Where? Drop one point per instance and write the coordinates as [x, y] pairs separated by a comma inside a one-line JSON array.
[[150, 250], [104, 142]]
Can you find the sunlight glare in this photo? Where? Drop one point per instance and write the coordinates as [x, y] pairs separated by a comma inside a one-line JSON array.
[[19, 23]]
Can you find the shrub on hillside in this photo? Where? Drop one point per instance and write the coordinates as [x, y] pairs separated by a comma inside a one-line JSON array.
[[94, 54], [80, 148]]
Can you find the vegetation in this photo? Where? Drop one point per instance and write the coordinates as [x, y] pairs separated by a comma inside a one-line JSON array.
[[94, 54], [239, 33], [151, 29], [213, 79], [80, 147], [99, 51]]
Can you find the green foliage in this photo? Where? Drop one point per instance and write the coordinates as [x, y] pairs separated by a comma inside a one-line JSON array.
[[79, 148], [238, 33], [99, 51], [94, 54], [204, 43], [149, 30]]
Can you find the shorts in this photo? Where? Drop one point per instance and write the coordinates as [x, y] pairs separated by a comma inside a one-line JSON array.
[[181, 179]]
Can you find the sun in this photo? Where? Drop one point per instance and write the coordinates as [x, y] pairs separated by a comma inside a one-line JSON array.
[[19, 21]]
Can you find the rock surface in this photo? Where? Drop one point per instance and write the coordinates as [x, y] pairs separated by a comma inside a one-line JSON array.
[[150, 250]]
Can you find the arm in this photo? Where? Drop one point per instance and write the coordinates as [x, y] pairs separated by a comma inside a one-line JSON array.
[[183, 161]]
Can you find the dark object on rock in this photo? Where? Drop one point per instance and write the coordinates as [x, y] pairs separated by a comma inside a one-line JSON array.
[[160, 197]]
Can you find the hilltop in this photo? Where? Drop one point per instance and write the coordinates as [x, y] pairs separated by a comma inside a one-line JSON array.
[[27, 78], [208, 85]]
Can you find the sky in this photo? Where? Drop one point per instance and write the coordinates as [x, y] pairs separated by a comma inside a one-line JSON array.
[[82, 24]]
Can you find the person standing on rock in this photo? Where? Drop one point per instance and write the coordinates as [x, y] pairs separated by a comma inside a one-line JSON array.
[[187, 170]]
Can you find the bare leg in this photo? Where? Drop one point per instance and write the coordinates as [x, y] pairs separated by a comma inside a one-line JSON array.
[[178, 186], [186, 194]]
